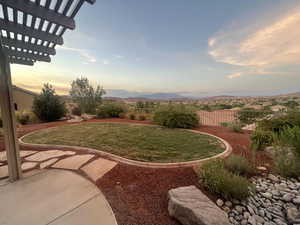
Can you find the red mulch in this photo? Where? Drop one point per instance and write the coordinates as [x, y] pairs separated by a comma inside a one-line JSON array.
[[138, 195]]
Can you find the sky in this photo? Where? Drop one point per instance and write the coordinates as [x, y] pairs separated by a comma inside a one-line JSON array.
[[193, 47]]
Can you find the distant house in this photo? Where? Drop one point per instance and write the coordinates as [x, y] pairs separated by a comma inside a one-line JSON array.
[[23, 99]]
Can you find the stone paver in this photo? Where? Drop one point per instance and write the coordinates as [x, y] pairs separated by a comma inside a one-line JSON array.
[[73, 163], [54, 197], [28, 165], [26, 153], [3, 171], [97, 168], [47, 163], [44, 155]]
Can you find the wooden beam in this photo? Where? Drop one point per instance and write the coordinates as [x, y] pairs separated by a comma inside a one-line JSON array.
[[21, 61], [24, 30], [41, 12], [91, 1], [26, 55], [9, 121], [26, 45]]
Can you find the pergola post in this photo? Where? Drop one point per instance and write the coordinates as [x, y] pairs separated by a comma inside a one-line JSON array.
[[8, 117]]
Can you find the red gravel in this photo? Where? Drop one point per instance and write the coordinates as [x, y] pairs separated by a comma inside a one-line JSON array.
[[138, 195]]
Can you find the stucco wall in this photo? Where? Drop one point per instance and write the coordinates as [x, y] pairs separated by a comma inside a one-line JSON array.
[[22, 99]]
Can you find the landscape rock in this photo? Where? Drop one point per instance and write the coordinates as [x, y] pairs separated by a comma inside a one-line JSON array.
[[191, 207], [220, 202], [293, 215]]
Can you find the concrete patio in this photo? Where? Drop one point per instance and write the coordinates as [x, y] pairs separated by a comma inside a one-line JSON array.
[[54, 197]]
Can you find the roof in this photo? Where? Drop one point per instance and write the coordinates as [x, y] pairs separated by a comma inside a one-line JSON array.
[[31, 29], [24, 90]]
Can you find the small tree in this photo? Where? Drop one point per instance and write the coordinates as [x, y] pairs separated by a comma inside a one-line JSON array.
[[48, 106], [85, 95]]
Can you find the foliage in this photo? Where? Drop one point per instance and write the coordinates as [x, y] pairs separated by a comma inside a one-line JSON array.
[[236, 127], [239, 165], [176, 116], [131, 116], [26, 117], [141, 117], [291, 104], [85, 95], [48, 106], [220, 181], [261, 139], [225, 124], [1, 122], [277, 124], [285, 163], [111, 110], [248, 115], [76, 111], [290, 137]]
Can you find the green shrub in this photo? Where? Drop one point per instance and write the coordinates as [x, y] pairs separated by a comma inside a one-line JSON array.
[[220, 181], [239, 165], [76, 111], [248, 115], [48, 106], [225, 124], [286, 163], [122, 115], [236, 127], [176, 117], [261, 139], [290, 137], [25, 117], [110, 110]]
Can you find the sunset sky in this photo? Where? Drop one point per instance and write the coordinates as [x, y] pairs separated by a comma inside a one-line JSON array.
[[193, 47]]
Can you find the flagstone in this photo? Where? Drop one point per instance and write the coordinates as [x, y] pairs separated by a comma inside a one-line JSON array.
[[98, 168], [73, 163], [47, 163], [3, 171], [28, 165], [45, 155]]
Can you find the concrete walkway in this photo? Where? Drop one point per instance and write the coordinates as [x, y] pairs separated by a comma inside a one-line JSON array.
[[54, 197]]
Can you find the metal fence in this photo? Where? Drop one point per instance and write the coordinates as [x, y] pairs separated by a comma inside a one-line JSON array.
[[215, 118]]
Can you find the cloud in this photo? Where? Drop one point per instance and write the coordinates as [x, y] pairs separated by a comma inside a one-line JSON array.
[[106, 62], [83, 52], [269, 46], [234, 75], [119, 56]]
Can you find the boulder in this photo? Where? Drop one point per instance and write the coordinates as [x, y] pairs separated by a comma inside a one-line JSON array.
[[191, 207]]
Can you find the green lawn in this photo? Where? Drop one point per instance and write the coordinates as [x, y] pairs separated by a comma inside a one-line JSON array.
[[138, 142]]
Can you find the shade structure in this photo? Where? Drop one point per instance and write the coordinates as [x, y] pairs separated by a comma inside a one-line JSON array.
[[31, 29], [29, 32]]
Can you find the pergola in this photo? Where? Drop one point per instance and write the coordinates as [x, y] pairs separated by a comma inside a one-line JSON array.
[[30, 31]]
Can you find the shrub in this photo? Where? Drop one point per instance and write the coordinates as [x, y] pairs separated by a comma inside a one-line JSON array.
[[176, 117], [248, 116], [26, 117], [48, 106], [285, 163], [239, 165], [220, 181], [236, 127], [110, 110], [261, 139], [290, 137], [225, 124], [76, 111], [122, 115], [141, 117], [131, 116]]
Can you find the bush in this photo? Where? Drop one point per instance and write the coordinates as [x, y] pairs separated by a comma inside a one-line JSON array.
[[48, 106], [239, 165], [236, 127], [122, 115], [131, 116], [261, 139], [290, 138], [176, 117], [220, 181], [26, 117], [248, 116], [76, 111], [141, 117], [225, 124], [110, 110], [285, 163]]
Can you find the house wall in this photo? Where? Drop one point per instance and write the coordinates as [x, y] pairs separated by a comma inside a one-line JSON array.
[[22, 99]]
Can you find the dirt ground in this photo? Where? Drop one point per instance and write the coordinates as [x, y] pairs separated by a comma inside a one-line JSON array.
[[138, 195]]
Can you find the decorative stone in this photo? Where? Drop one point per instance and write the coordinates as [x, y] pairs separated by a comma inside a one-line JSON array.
[[273, 178], [296, 200], [261, 168], [48, 163], [98, 168], [45, 155], [293, 215], [267, 195], [288, 197], [220, 202], [73, 163], [228, 204], [191, 207]]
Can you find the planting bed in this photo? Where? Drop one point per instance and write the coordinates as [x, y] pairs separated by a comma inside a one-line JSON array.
[[132, 141]]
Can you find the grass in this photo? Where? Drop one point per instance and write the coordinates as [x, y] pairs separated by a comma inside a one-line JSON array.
[[138, 142]]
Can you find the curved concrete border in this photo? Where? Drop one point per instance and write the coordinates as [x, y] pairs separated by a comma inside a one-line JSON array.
[[227, 151]]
